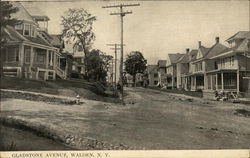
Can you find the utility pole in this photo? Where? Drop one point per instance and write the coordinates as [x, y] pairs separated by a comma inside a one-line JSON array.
[[121, 14], [112, 72], [115, 48]]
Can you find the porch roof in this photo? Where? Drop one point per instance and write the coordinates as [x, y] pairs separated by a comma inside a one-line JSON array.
[[222, 70], [192, 74], [15, 37]]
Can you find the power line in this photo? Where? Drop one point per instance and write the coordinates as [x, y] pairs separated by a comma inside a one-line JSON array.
[[121, 14]]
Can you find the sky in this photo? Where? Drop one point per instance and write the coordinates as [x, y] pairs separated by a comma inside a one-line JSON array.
[[157, 28]]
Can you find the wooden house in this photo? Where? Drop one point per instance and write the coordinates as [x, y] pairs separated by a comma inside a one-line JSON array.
[[230, 68], [152, 71], [171, 69], [183, 67], [162, 69], [28, 54]]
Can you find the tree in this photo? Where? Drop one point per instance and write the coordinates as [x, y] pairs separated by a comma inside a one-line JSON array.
[[98, 63], [135, 63], [6, 9], [77, 29]]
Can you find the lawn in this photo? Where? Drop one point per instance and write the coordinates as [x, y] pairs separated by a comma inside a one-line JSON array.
[[71, 88], [177, 91]]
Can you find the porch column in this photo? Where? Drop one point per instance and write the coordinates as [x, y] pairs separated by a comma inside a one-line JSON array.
[[21, 60], [21, 54], [46, 74], [216, 82], [205, 82], [54, 75], [66, 69], [222, 81], [195, 86], [238, 81], [32, 55], [47, 58], [37, 74], [211, 81], [54, 60], [172, 82]]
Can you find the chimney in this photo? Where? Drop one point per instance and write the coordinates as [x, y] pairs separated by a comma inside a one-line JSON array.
[[187, 50], [199, 44], [217, 40]]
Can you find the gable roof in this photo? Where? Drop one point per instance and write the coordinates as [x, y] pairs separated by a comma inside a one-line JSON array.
[[243, 46], [56, 40], [151, 68], [22, 14], [204, 50], [175, 57], [239, 35], [34, 11], [190, 56], [162, 63], [216, 49], [13, 35]]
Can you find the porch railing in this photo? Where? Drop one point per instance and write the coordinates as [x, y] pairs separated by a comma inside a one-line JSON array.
[[227, 87], [61, 73]]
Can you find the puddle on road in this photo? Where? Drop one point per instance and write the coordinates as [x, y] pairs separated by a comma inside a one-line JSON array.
[[242, 112]]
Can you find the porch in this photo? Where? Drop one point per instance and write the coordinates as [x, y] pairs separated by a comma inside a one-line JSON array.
[[229, 80], [196, 82], [30, 61], [170, 81]]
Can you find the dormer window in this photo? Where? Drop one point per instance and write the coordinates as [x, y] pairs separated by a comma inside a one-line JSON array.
[[32, 30], [26, 30]]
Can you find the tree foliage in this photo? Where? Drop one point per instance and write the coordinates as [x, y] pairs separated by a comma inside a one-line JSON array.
[[6, 9], [135, 63], [98, 63], [77, 29]]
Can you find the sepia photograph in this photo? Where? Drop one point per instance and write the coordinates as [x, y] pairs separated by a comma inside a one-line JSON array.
[[99, 75]]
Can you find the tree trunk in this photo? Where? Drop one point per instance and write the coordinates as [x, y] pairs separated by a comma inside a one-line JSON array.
[[1, 64], [134, 80]]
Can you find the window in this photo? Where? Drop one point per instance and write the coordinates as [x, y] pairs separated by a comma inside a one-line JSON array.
[[26, 29], [231, 59], [41, 56], [32, 30], [223, 63], [215, 65], [12, 54], [27, 51], [198, 67], [155, 82], [155, 75]]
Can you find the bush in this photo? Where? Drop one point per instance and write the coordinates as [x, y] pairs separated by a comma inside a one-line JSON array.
[[199, 90]]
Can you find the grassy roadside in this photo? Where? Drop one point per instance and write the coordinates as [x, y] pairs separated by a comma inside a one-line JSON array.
[[176, 91], [87, 90], [70, 141]]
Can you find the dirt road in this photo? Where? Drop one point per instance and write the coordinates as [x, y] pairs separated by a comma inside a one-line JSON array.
[[151, 120]]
